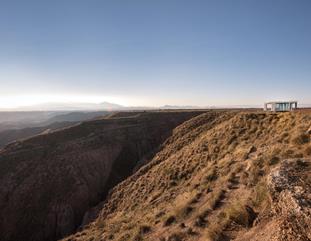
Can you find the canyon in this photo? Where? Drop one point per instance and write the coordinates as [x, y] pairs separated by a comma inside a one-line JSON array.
[[162, 175], [49, 181]]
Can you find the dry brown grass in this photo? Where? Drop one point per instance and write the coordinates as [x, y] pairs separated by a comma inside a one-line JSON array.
[[211, 175], [300, 138], [261, 194], [169, 221], [214, 231], [255, 173], [216, 198], [307, 150], [178, 236], [236, 212], [188, 180]]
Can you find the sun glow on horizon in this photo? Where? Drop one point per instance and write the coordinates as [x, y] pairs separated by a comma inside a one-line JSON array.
[[20, 101]]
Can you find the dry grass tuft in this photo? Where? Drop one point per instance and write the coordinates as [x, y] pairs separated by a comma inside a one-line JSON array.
[[307, 151], [301, 138], [237, 213], [178, 236], [215, 231], [240, 214], [261, 194], [216, 198], [254, 174], [169, 221], [274, 160], [211, 175]]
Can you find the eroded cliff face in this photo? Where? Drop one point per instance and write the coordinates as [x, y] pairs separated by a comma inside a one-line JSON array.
[[289, 216], [48, 182], [290, 188]]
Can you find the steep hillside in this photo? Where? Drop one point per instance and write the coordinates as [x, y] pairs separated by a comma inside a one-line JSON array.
[[48, 182], [76, 116], [56, 121], [220, 176], [11, 120], [11, 135]]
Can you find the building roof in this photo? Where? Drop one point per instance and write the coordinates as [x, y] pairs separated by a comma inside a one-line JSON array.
[[281, 102]]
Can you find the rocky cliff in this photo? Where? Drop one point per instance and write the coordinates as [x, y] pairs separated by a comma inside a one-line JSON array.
[[48, 182]]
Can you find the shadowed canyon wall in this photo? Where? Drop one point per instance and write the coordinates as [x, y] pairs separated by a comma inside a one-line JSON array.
[[48, 182]]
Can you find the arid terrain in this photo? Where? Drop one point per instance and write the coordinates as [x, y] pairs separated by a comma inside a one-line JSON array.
[[48, 182], [22, 125], [162, 175]]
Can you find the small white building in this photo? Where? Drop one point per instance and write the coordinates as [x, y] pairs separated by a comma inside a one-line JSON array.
[[281, 106]]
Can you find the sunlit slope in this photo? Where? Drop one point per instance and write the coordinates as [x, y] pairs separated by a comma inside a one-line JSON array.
[[213, 181]]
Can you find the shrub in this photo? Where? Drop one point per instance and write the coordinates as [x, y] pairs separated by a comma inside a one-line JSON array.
[[308, 151], [211, 175], [244, 178], [261, 194], [216, 198], [236, 212], [274, 160], [183, 212], [138, 237], [182, 225], [144, 229], [254, 175], [301, 138], [214, 231], [196, 198], [289, 153], [200, 221], [170, 220], [190, 231], [176, 237]]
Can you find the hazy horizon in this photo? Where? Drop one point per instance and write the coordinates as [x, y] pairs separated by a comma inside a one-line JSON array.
[[154, 53], [108, 106]]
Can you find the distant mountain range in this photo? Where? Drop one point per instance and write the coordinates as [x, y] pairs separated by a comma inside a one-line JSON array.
[[57, 106], [168, 107], [104, 106], [107, 106]]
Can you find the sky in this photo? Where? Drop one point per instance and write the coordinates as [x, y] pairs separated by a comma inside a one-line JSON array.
[[155, 52]]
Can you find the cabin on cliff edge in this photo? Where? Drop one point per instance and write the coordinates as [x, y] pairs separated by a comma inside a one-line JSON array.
[[278, 106]]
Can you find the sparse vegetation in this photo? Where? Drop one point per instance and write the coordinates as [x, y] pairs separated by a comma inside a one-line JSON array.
[[214, 232], [301, 138], [207, 182], [308, 151], [260, 196], [211, 175], [170, 220], [274, 160], [240, 213], [216, 198], [176, 237]]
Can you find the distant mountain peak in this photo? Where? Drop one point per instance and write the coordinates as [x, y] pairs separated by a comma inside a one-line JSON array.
[[69, 106], [109, 105]]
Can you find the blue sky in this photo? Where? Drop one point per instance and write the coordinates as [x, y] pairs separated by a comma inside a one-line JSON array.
[[156, 52]]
